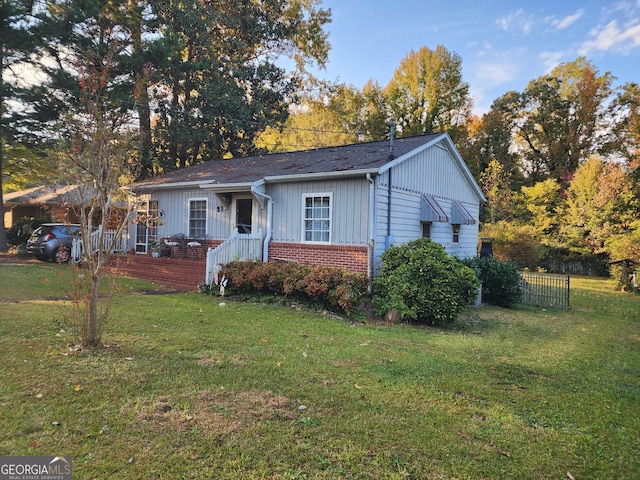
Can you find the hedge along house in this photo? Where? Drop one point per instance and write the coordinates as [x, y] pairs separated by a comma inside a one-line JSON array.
[[338, 206]]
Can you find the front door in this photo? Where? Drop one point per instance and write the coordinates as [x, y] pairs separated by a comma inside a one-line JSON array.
[[244, 214]]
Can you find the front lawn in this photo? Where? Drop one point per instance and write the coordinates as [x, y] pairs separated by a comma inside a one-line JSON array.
[[187, 388]]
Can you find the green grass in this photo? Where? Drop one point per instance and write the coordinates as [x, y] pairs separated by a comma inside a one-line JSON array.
[[186, 388]]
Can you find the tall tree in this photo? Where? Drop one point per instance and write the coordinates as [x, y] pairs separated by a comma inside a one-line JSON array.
[[427, 93], [17, 43], [336, 115], [201, 75], [562, 119], [490, 137], [221, 86], [601, 205], [496, 185], [544, 202], [628, 129]]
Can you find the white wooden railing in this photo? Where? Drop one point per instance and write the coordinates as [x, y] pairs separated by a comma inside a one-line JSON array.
[[238, 247], [120, 244]]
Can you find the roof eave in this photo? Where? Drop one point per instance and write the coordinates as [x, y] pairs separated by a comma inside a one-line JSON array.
[[310, 177], [164, 186]]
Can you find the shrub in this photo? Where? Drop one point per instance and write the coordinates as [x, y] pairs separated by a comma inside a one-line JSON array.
[[500, 280], [20, 231], [421, 282], [514, 242], [332, 288]]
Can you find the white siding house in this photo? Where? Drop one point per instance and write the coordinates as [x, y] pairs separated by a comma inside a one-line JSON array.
[[340, 206]]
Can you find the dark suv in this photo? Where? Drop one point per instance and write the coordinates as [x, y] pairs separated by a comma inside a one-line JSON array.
[[52, 241]]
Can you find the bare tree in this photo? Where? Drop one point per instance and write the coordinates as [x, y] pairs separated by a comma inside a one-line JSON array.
[[98, 158]]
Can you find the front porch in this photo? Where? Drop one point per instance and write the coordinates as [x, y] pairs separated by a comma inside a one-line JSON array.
[[189, 264], [177, 273]]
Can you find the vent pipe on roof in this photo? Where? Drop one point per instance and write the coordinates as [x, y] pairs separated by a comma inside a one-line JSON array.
[[392, 137]]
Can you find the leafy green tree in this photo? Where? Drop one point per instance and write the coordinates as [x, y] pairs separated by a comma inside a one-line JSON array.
[[427, 92], [208, 68], [561, 119], [628, 130], [496, 185], [337, 115], [219, 85], [544, 202], [494, 138], [601, 205]]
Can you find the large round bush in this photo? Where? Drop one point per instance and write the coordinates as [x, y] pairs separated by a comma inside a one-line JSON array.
[[500, 280], [421, 282]]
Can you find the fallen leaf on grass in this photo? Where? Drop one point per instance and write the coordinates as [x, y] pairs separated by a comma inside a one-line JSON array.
[[78, 388], [569, 476]]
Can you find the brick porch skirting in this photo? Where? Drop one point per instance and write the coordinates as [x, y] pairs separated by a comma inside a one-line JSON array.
[[352, 258]]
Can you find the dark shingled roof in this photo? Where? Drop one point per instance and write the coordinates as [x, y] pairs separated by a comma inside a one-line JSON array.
[[360, 156]]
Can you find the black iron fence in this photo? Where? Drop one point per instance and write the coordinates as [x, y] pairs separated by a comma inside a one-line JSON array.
[[545, 289]]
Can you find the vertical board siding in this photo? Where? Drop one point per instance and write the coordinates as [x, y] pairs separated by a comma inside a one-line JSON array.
[[175, 204], [350, 206], [431, 172]]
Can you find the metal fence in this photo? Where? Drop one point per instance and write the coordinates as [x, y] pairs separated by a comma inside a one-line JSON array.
[[545, 289]]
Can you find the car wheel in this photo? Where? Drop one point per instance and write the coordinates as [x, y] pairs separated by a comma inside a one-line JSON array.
[[61, 255], [42, 258]]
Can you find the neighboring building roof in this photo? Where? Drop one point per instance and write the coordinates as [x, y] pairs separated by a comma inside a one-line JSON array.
[[48, 195], [346, 160]]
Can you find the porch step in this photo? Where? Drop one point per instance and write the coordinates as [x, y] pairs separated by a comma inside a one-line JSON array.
[[176, 273]]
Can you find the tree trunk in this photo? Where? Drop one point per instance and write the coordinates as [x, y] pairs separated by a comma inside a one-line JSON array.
[[3, 232], [94, 330]]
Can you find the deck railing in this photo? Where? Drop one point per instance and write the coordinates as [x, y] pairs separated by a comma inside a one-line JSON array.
[[238, 247], [545, 289]]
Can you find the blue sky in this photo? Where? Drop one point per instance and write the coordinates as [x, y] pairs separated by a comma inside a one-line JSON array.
[[503, 43]]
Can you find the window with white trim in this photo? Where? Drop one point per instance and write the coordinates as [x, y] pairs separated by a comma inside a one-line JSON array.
[[317, 218], [198, 218]]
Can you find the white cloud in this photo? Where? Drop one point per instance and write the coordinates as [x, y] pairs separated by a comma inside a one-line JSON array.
[[613, 39], [495, 73], [566, 22], [518, 20], [550, 60]]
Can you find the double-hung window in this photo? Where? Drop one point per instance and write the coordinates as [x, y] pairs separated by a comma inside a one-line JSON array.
[[317, 218], [198, 218]]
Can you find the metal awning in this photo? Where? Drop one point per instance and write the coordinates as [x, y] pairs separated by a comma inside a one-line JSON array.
[[460, 215], [431, 211]]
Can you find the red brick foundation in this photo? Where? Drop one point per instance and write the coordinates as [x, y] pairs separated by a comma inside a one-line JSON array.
[[176, 273], [353, 258]]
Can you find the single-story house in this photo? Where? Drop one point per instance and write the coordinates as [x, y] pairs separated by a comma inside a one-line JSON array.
[[44, 202], [339, 206]]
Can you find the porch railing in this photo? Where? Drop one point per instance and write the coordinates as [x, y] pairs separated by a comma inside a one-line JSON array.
[[120, 244], [238, 247]]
